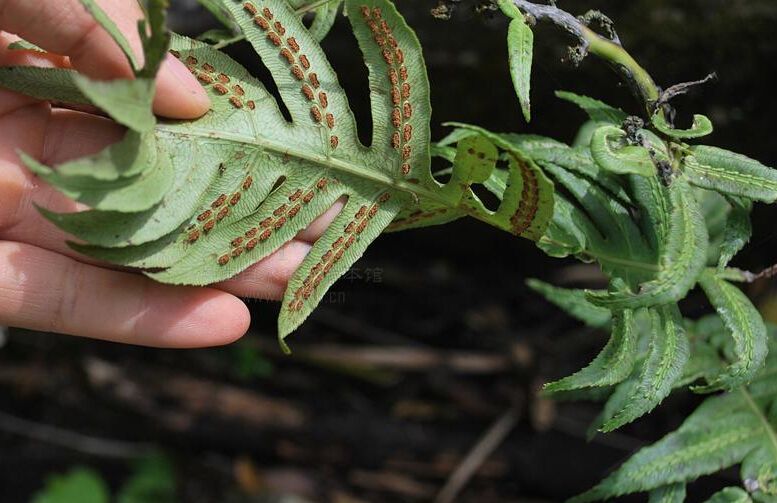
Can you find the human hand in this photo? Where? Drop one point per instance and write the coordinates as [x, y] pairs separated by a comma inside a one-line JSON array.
[[44, 285]]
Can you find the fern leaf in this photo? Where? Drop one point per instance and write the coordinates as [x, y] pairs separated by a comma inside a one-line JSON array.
[[572, 302], [719, 434], [667, 355], [196, 202], [612, 153], [730, 495], [520, 46], [737, 231], [702, 126], [55, 84], [682, 260], [746, 327], [729, 173], [526, 194], [671, 493], [612, 365], [598, 111]]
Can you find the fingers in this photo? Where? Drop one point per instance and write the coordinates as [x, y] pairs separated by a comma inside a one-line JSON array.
[[42, 290], [64, 27]]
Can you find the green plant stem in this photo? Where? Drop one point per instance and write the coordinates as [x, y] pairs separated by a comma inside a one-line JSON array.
[[614, 53], [608, 49]]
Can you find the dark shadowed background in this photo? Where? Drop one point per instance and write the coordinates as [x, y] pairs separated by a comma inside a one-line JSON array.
[[430, 338]]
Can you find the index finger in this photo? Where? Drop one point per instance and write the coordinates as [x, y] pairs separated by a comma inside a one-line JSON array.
[[65, 27]]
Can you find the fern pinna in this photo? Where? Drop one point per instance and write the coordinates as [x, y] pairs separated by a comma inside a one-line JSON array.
[[197, 202], [656, 235]]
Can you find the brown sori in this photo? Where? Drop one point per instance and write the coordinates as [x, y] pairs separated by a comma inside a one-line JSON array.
[[315, 113], [250, 8], [405, 169], [384, 197], [396, 117], [208, 68], [267, 13], [287, 55], [308, 197], [403, 72], [321, 183], [407, 132], [279, 223], [279, 28], [238, 90], [264, 236], [191, 60], [393, 77], [303, 60], [251, 232], [313, 79], [236, 102], [262, 23], [266, 222], [219, 201], [362, 211], [297, 72], [407, 108], [204, 215], [334, 141], [395, 140], [406, 150], [193, 236], [175, 54], [204, 78], [308, 92], [223, 78], [323, 99], [274, 38], [388, 57], [296, 195], [250, 245], [292, 42], [235, 198], [209, 225], [280, 210], [405, 90], [330, 121], [250, 104], [395, 96], [220, 88], [237, 241], [248, 182], [294, 210], [224, 260], [237, 252], [223, 213]]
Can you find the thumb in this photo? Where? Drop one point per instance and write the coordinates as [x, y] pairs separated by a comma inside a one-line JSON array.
[[65, 27]]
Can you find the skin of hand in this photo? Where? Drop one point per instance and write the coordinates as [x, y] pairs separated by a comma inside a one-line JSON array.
[[46, 286]]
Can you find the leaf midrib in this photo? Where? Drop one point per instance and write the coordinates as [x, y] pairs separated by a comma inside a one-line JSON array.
[[325, 161]]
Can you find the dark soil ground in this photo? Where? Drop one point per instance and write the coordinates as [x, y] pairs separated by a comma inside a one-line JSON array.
[[433, 336]]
